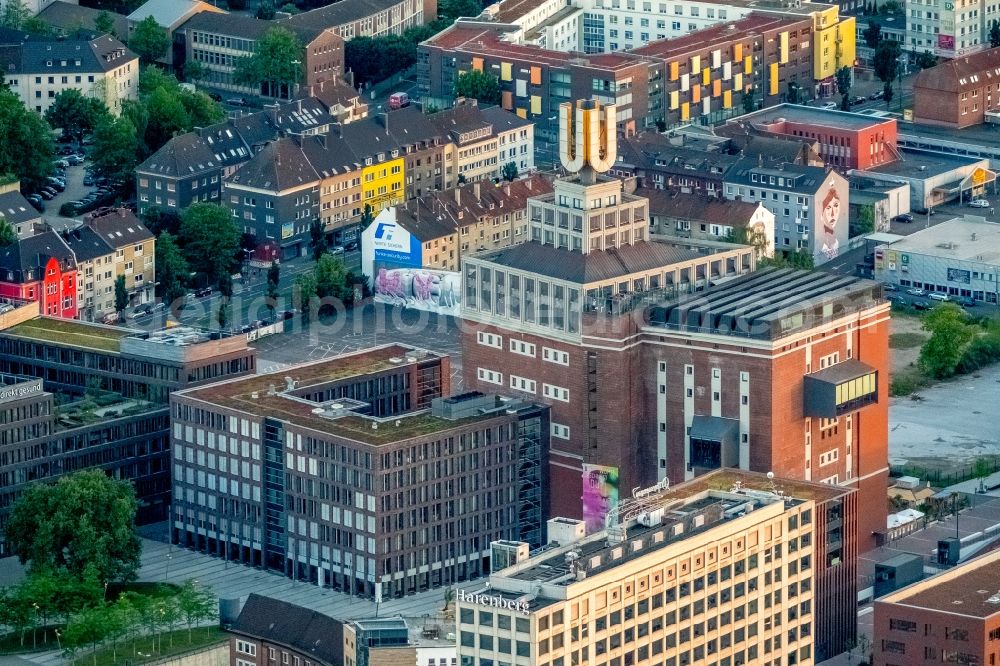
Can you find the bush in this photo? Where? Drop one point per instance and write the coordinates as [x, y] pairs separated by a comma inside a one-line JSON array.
[[68, 209], [983, 351]]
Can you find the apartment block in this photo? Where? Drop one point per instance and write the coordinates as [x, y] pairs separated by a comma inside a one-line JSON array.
[[37, 69], [358, 473], [959, 93], [486, 140], [952, 30], [952, 618], [718, 570], [41, 268]]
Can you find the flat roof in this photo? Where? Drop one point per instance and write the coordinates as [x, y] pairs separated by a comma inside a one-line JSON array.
[[267, 395], [978, 135], [767, 304], [970, 589], [923, 164], [70, 333], [715, 35], [968, 238], [811, 115]]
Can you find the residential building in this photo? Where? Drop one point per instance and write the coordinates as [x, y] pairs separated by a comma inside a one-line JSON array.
[[365, 18], [38, 69], [340, 97], [953, 258], [363, 458], [218, 41], [68, 18], [845, 140], [107, 245], [170, 15], [483, 148], [657, 161], [190, 167], [127, 372], [705, 74], [40, 268], [810, 204], [723, 569], [949, 31], [269, 631], [934, 177], [439, 229], [959, 93], [676, 215], [16, 211], [953, 617]]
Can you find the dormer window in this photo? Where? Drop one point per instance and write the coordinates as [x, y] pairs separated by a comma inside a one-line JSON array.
[[48, 63]]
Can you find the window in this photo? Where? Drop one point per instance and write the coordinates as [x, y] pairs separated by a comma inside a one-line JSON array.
[[490, 376], [489, 340], [522, 384], [555, 392], [246, 647], [522, 348], [560, 431], [555, 356]]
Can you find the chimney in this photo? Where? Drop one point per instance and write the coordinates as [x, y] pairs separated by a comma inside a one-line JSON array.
[[458, 195], [476, 188], [506, 189], [528, 183]]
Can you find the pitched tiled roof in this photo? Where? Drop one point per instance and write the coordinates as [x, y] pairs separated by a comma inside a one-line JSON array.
[[86, 244], [338, 13], [300, 629], [170, 13], [280, 165], [118, 227], [587, 268], [242, 25], [459, 119], [15, 208], [798, 178], [504, 120], [70, 17], [62, 56], [962, 73], [32, 253], [655, 152], [698, 207]]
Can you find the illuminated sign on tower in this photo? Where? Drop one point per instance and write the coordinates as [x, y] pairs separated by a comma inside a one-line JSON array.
[[588, 143]]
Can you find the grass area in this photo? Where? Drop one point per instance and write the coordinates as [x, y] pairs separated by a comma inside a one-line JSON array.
[[906, 340], [150, 648], [908, 381], [42, 640], [70, 332]]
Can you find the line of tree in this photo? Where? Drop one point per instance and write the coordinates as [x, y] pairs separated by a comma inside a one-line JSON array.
[[275, 67], [886, 64], [958, 344]]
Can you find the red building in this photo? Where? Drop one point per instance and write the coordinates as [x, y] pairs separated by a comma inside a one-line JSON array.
[[959, 92], [846, 140], [40, 268]]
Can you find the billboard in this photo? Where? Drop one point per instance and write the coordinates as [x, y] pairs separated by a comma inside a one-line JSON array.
[[387, 242], [287, 230], [959, 275], [419, 288], [600, 495]]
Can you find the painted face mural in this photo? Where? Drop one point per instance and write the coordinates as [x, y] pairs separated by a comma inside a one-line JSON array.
[[830, 216]]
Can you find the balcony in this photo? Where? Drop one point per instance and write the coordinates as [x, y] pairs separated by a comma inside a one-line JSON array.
[[840, 389]]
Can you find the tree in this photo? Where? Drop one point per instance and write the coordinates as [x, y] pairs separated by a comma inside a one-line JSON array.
[[864, 223], [195, 604], [224, 315], [7, 234], [87, 629], [75, 114], [104, 23], [887, 93], [995, 34], [449, 10], [149, 40], [749, 103], [330, 276], [167, 117], [171, 270], [367, 217], [886, 60], [793, 92], [844, 87], [756, 238], [872, 34], [800, 259], [265, 11], [121, 294], [273, 280], [509, 171], [950, 335], [304, 294], [83, 524], [478, 85], [209, 240], [275, 66], [158, 220], [926, 60], [38, 27], [981, 469], [115, 152], [26, 150], [194, 70], [15, 13], [317, 239]]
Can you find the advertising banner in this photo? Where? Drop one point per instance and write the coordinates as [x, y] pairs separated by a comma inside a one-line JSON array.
[[419, 288], [959, 275], [600, 495]]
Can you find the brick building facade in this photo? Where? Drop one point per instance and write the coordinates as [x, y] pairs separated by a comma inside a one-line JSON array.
[[958, 93]]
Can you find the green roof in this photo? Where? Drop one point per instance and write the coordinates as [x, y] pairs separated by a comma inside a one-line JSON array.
[[70, 333]]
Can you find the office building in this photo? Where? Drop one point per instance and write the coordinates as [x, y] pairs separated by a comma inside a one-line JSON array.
[[82, 396], [723, 569], [37, 69], [951, 618], [352, 473], [365, 18], [955, 258], [959, 93], [952, 30], [810, 204]]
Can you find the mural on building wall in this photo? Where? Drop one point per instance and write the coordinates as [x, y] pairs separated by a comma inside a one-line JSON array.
[[830, 231], [420, 288], [600, 495]]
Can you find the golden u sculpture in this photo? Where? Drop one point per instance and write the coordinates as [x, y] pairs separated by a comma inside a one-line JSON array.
[[588, 142]]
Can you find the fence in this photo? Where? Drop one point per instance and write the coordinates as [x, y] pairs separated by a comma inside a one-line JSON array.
[[984, 466]]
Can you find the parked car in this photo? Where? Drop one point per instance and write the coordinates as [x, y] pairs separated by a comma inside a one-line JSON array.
[[111, 318], [352, 246], [878, 95], [203, 292], [830, 106], [967, 302], [888, 286], [858, 100], [47, 194], [5, 308], [62, 164], [57, 184], [216, 97], [903, 217], [88, 181], [36, 201], [979, 203], [916, 292], [896, 298], [921, 305], [237, 101], [74, 159], [337, 251], [938, 297]]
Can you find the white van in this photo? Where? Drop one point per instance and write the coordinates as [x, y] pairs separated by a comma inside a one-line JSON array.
[[830, 106]]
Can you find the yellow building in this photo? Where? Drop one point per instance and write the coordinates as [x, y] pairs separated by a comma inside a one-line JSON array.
[[382, 184], [834, 45]]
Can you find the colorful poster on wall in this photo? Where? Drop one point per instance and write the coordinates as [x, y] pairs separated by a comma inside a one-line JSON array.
[[419, 288], [600, 495]]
